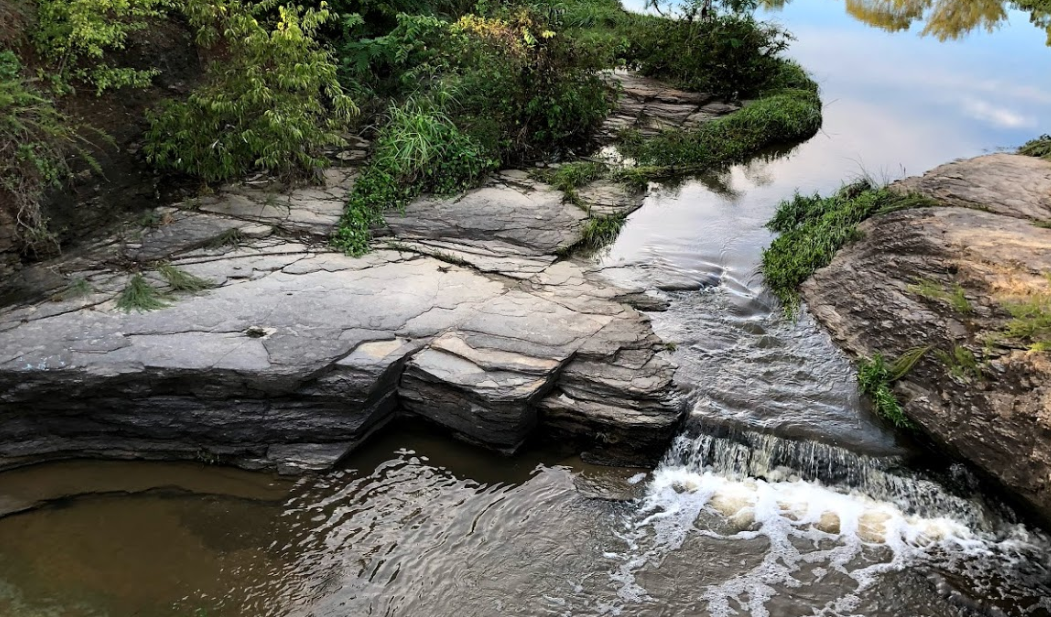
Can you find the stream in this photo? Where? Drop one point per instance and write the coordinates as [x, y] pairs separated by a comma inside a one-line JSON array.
[[782, 496]]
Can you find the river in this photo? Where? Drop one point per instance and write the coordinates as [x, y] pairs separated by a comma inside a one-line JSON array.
[[783, 495]]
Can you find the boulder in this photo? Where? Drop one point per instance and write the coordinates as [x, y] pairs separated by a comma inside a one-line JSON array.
[[981, 394]]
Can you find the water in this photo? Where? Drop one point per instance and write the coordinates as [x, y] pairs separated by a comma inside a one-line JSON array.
[[784, 496]]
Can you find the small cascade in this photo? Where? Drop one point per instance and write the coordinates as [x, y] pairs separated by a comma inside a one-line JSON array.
[[812, 512], [741, 454]]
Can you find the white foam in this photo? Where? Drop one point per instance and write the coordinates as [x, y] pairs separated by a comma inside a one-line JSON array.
[[842, 531]]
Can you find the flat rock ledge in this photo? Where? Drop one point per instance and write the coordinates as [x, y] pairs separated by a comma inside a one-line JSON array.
[[982, 396], [464, 315]]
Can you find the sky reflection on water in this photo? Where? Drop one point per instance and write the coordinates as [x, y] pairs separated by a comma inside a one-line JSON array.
[[899, 103]]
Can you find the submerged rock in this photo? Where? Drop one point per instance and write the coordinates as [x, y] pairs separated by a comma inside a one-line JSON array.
[[297, 354], [946, 277]]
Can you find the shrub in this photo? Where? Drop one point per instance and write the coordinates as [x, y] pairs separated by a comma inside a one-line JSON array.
[[272, 100], [79, 36], [517, 89], [34, 139], [528, 86], [731, 54], [402, 61]]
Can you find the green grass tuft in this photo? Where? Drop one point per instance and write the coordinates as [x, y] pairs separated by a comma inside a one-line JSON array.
[[1031, 322], [181, 280], [954, 297], [814, 228], [77, 288], [140, 296], [1039, 147], [907, 361], [961, 363], [419, 150], [229, 238], [874, 379], [572, 176], [601, 231], [576, 175]]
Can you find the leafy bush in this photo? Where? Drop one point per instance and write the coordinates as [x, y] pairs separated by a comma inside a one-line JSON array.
[[731, 55], [517, 89], [402, 61], [510, 80], [34, 138], [272, 100], [79, 36], [418, 150], [814, 228], [527, 86]]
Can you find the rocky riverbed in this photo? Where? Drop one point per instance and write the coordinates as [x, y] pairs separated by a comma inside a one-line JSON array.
[[466, 314], [945, 278]]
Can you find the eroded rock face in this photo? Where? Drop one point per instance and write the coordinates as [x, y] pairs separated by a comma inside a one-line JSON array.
[[299, 353], [649, 106], [979, 393]]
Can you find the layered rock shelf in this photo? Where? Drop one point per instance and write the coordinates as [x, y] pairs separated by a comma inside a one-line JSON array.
[[467, 313], [944, 278], [298, 353]]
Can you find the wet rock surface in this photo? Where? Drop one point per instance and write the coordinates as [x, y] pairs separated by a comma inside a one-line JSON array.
[[465, 316], [945, 277]]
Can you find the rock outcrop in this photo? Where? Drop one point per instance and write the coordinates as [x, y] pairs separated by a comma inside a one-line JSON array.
[[945, 277], [464, 315], [467, 314]]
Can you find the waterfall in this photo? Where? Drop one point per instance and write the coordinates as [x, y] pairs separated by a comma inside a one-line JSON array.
[[815, 511]]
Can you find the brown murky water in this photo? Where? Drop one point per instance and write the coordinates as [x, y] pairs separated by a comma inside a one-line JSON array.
[[782, 497], [445, 530]]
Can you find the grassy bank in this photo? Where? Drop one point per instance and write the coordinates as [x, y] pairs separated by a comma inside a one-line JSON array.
[[521, 83], [787, 111], [448, 90], [813, 228]]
